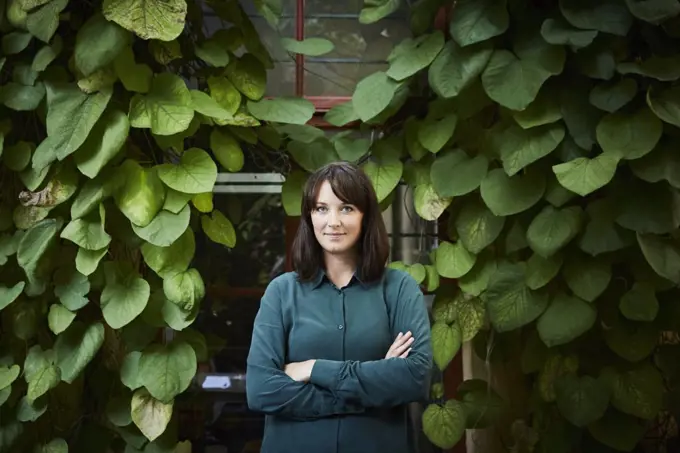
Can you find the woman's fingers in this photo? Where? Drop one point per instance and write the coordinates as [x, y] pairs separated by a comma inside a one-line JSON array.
[[401, 343], [405, 354]]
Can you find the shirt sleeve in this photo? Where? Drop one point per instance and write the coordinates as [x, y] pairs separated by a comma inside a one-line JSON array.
[[387, 382], [268, 388]]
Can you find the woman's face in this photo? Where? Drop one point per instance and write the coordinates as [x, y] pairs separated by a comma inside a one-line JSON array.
[[337, 225]]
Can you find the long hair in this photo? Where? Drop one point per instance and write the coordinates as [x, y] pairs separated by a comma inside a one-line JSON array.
[[352, 186]]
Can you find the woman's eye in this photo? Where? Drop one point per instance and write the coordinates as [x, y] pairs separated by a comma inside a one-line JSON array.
[[321, 208], [347, 209]]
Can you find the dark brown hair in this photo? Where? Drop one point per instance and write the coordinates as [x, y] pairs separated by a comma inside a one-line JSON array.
[[352, 186]]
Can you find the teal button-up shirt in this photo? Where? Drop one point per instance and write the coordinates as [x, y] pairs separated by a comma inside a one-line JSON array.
[[356, 400]]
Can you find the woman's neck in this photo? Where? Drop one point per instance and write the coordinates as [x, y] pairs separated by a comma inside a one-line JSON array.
[[340, 268]]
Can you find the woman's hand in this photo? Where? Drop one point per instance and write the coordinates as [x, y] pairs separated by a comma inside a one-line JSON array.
[[300, 371], [401, 346]]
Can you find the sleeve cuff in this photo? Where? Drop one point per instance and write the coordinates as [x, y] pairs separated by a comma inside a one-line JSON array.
[[325, 374]]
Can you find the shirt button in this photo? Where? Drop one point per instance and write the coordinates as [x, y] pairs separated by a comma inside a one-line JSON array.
[[340, 326]]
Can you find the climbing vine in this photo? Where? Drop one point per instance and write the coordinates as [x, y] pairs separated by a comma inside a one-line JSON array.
[[544, 131]]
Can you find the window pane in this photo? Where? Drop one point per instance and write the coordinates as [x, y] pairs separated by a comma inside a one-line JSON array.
[[360, 49], [336, 79], [260, 250]]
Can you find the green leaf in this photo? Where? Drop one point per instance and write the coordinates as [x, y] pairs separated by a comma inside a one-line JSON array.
[[552, 229], [148, 19], [483, 405], [373, 95], [384, 176], [170, 260], [559, 32], [581, 400], [629, 136], [587, 278], [167, 109], [71, 287], [55, 446], [98, 43], [167, 370], [35, 242], [505, 195], [118, 410], [184, 289], [609, 16], [640, 303], [662, 254], [341, 114], [59, 318], [30, 411], [227, 150], [521, 147], [88, 232], [454, 173], [453, 260], [350, 149], [664, 69], [125, 295], [428, 204], [374, 11], [15, 42], [18, 156], [530, 47], [665, 104], [40, 372], [212, 52], [654, 11], [21, 97], [543, 110], [10, 294], [471, 315], [291, 192], [150, 415], [129, 370], [540, 271], [631, 341], [219, 229], [312, 47], [584, 175], [611, 96], [76, 347], [456, 68], [477, 226], [205, 105], [478, 20], [639, 392], [8, 375], [103, 144], [165, 228], [509, 302], [444, 425], [134, 77], [433, 133], [43, 23], [203, 202], [195, 173], [288, 110], [565, 319], [618, 431], [415, 55], [314, 155], [71, 116], [248, 76], [648, 208], [513, 83], [446, 342], [88, 260]]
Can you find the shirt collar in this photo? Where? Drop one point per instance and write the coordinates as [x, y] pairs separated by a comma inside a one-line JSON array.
[[321, 276]]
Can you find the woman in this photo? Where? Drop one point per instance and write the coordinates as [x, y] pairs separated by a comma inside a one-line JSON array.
[[341, 345]]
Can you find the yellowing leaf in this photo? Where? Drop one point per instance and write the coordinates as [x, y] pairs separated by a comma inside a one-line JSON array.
[[148, 19], [150, 415]]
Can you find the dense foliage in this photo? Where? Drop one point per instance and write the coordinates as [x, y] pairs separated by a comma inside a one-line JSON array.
[[544, 130]]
